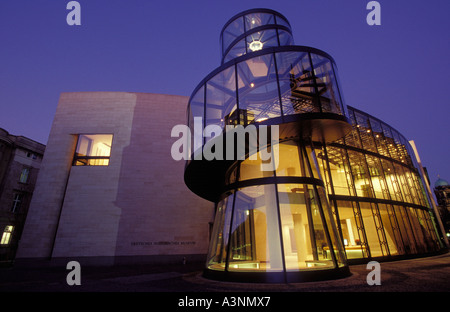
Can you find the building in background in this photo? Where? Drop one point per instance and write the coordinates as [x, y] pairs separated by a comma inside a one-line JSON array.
[[20, 160], [442, 192], [344, 187]]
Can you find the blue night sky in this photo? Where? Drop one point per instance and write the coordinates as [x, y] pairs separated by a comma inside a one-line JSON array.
[[397, 72]]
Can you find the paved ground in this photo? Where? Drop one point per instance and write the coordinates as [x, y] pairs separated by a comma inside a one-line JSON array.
[[430, 274]]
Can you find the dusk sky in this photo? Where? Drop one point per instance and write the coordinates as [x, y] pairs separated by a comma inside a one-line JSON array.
[[398, 72]]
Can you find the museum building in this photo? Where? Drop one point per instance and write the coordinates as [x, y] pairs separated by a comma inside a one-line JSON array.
[[344, 187]]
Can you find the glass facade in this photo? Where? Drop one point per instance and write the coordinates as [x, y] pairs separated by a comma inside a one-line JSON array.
[[378, 198], [279, 222], [252, 31], [340, 184], [288, 85]]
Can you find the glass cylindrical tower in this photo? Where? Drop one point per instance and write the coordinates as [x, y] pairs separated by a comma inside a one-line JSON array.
[[273, 221]]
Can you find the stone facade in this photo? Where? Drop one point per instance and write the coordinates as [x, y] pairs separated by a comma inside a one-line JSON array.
[[135, 209]]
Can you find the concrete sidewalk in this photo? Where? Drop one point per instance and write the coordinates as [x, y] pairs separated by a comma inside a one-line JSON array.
[[431, 274]]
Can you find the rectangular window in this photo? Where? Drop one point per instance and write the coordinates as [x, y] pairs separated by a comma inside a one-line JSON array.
[[6, 236], [93, 150], [17, 202], [24, 175]]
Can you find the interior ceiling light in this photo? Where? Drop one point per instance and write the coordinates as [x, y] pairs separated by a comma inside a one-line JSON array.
[[255, 45]]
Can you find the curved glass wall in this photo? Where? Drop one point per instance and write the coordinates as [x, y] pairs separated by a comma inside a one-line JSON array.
[[377, 201], [376, 192], [248, 236], [283, 82], [252, 31], [278, 223], [339, 184]]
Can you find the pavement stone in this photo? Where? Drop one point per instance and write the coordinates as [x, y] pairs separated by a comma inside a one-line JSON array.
[[430, 274]]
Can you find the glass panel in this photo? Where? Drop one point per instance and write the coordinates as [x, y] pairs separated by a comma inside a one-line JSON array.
[[93, 150], [6, 235], [296, 83], [94, 145], [352, 230], [327, 217], [370, 230], [326, 84], [391, 180], [218, 246], [258, 19], [365, 132], [255, 234], [391, 230], [389, 141], [360, 174], [380, 140], [197, 109], [24, 175], [421, 191], [401, 148], [412, 187], [232, 31], [253, 168], [324, 170], [17, 202], [384, 243], [285, 38], [289, 160], [309, 155], [352, 138], [258, 92], [418, 230], [237, 50], [221, 99], [398, 155], [231, 174], [429, 219], [305, 242], [340, 90], [91, 162], [401, 178], [428, 237], [340, 171], [281, 21], [405, 229], [406, 159], [377, 175]]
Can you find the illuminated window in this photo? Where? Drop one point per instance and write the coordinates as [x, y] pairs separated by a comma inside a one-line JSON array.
[[93, 150], [24, 175], [6, 237]]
